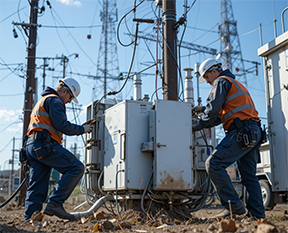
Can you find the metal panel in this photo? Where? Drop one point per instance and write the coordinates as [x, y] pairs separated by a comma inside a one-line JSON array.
[[276, 72], [203, 147], [114, 127], [127, 125], [93, 153], [173, 151]]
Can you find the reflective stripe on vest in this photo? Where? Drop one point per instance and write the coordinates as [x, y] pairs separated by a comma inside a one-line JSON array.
[[243, 108], [40, 120], [43, 126], [235, 110], [235, 95], [41, 113]]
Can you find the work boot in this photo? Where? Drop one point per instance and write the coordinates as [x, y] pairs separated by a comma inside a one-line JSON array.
[[235, 211], [59, 211], [249, 215]]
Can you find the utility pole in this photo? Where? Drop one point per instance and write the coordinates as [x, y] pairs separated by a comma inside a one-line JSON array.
[[169, 51], [12, 170], [44, 73], [64, 60], [30, 82]]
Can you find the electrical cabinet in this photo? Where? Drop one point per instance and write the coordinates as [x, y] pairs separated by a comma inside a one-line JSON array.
[[275, 54], [171, 130], [126, 128]]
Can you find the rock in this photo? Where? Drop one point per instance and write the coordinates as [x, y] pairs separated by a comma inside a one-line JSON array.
[[125, 225], [84, 220], [227, 226], [241, 231], [99, 216], [266, 228], [106, 225], [212, 228], [45, 224], [37, 216]]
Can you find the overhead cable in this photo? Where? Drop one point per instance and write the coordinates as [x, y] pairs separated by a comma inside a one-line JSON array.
[[12, 14], [71, 37], [124, 16]]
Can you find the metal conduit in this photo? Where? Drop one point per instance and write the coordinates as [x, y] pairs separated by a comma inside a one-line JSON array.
[[282, 18], [95, 207]]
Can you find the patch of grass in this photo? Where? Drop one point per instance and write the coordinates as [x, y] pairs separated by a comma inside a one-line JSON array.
[[276, 218], [76, 190]]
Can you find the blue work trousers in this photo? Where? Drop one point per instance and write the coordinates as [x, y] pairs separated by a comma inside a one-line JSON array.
[[226, 153], [62, 161]]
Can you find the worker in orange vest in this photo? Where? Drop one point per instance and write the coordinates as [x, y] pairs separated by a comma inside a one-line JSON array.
[[48, 121], [230, 103]]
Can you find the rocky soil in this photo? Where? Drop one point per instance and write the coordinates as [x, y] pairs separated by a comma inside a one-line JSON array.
[[176, 220]]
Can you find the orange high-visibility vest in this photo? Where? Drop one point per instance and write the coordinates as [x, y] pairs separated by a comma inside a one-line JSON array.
[[238, 103], [40, 120]]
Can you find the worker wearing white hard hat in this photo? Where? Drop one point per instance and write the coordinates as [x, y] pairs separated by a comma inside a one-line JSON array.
[[44, 150], [73, 87], [207, 66], [230, 103]]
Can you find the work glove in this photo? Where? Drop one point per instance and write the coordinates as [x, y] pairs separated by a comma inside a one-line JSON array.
[[194, 127], [197, 109], [88, 128]]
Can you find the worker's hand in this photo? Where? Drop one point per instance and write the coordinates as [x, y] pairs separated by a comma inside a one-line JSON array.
[[88, 128], [197, 109], [89, 122], [196, 127]]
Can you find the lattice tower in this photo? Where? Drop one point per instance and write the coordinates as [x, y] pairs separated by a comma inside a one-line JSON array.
[[107, 64], [230, 49]]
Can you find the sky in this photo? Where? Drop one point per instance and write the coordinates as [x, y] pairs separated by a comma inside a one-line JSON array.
[[72, 27]]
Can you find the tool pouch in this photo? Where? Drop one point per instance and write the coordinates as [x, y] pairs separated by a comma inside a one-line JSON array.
[[249, 137], [245, 136], [44, 149]]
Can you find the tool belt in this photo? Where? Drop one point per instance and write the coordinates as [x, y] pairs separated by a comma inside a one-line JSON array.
[[245, 136], [44, 150]]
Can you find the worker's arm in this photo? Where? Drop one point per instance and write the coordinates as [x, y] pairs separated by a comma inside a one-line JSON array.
[[57, 111], [215, 101]]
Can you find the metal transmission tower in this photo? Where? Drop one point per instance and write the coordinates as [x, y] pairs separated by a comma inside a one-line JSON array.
[[107, 64], [230, 50]]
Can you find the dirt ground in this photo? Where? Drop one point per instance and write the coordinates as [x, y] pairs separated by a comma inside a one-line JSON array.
[[12, 220]]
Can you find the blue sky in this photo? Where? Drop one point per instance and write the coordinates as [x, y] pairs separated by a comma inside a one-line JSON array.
[[81, 18]]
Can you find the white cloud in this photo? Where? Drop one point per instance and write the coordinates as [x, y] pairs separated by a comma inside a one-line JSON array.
[[70, 2], [10, 120], [9, 115], [15, 128]]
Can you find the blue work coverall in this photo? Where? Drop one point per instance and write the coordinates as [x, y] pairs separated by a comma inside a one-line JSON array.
[[60, 159], [228, 151]]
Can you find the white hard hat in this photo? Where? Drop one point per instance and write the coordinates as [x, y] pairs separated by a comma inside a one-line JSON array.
[[206, 65], [73, 86]]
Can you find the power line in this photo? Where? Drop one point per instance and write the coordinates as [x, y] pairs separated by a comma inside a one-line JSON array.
[[15, 122], [73, 38], [12, 14], [205, 33], [54, 19], [92, 26], [6, 146], [205, 30], [12, 95], [256, 29], [12, 71]]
